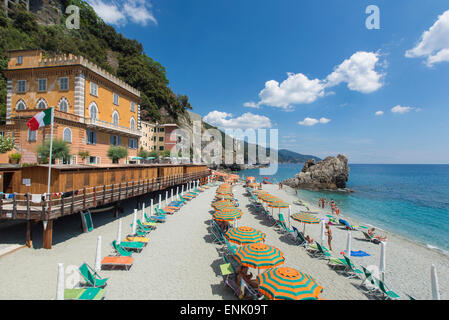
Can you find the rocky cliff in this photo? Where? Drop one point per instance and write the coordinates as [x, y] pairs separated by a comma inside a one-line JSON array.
[[331, 173]]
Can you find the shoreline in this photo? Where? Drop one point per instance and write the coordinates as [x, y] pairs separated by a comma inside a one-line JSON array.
[[408, 261], [358, 221]]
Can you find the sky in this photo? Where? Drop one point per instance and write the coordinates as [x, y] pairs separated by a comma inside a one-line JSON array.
[[311, 69]]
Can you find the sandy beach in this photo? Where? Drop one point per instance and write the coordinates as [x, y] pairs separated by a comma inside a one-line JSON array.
[[181, 261]]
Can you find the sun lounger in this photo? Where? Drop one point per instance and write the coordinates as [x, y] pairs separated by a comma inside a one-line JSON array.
[[351, 271], [386, 292], [120, 251], [134, 246], [84, 294], [137, 239], [157, 219], [117, 261], [370, 238], [91, 278]]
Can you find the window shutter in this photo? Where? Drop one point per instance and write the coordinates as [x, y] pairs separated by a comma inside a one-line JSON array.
[[94, 137]]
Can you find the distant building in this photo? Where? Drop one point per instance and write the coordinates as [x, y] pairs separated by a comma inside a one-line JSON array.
[[93, 109], [157, 137]]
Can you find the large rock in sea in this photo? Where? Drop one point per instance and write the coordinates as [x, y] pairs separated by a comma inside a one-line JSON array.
[[331, 173]]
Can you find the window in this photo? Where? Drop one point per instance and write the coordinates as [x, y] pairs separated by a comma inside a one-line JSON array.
[[132, 143], [21, 86], [93, 160], [161, 139], [91, 137], [161, 129], [32, 136], [42, 85], [63, 105], [67, 136], [154, 139], [115, 140], [133, 107], [133, 124], [64, 84], [21, 105], [93, 111], [42, 104], [115, 118], [116, 99], [161, 148], [94, 89], [20, 60]]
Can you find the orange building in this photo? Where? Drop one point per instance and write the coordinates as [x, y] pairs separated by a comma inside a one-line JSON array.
[[93, 109]]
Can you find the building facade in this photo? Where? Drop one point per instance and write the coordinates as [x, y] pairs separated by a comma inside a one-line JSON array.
[[94, 110], [157, 137]]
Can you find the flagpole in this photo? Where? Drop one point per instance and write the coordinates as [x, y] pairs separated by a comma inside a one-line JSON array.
[[51, 153]]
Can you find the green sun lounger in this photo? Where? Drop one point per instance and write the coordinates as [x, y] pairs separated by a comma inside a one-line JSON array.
[[84, 294], [120, 250], [386, 292], [132, 245], [92, 278]]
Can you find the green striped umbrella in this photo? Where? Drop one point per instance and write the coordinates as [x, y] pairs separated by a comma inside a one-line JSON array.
[[245, 235], [305, 218], [227, 214], [288, 284], [259, 256]]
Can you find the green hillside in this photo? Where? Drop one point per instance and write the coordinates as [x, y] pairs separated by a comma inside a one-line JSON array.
[[101, 44]]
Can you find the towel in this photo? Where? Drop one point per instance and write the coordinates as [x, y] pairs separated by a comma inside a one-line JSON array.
[[36, 198], [359, 254]]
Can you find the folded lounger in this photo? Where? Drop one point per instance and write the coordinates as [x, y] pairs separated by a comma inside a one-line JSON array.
[[91, 278], [117, 262], [84, 294]]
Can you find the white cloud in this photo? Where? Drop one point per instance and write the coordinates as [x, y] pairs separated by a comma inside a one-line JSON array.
[[296, 89], [109, 12], [248, 120], [358, 72], [379, 113], [251, 104], [434, 43], [120, 12], [311, 121], [401, 110]]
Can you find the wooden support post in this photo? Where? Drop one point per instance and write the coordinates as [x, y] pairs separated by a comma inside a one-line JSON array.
[[126, 193], [48, 235], [62, 206], [95, 196], [119, 191], [112, 193], [28, 207], [104, 193], [14, 206], [1, 205], [29, 235], [84, 199], [73, 202], [116, 210]]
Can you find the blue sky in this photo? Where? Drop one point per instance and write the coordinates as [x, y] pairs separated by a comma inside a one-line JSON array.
[[308, 68]]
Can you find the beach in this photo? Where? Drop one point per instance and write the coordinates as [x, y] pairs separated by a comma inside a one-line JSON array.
[[182, 262]]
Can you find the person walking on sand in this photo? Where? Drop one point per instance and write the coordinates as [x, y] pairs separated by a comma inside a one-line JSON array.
[[329, 236], [337, 211]]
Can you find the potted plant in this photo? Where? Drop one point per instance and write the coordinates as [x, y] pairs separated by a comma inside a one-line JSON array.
[[14, 158]]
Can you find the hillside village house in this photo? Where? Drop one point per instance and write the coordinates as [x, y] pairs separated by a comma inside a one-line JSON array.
[[157, 137], [94, 110]]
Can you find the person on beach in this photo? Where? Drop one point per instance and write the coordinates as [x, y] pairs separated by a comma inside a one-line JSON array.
[[329, 236], [242, 273], [372, 234], [296, 190], [308, 239], [280, 186], [337, 211]]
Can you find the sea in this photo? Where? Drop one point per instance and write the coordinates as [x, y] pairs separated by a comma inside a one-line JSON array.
[[409, 200]]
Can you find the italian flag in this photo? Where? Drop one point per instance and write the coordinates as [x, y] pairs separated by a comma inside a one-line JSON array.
[[41, 119]]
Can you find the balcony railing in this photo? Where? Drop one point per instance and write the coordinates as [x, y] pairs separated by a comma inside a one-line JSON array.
[[18, 114], [112, 126]]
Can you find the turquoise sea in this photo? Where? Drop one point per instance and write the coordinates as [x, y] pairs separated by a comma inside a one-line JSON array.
[[409, 200]]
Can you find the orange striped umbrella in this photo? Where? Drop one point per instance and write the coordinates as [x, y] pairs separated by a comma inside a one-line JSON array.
[[245, 235], [278, 204], [259, 256], [227, 215], [288, 284]]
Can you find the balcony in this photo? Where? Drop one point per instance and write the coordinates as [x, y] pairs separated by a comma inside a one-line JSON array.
[[94, 124], [111, 128]]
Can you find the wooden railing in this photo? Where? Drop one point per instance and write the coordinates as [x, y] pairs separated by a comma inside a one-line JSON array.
[[21, 206]]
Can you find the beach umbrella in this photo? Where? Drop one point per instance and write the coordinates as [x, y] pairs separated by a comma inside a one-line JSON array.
[[435, 287], [289, 216], [305, 218], [60, 282], [119, 231], [98, 255], [285, 283], [322, 232], [160, 200], [142, 216], [177, 193], [151, 208], [135, 222], [245, 235], [182, 189], [259, 256], [171, 193], [166, 198], [348, 245], [227, 215], [382, 266]]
